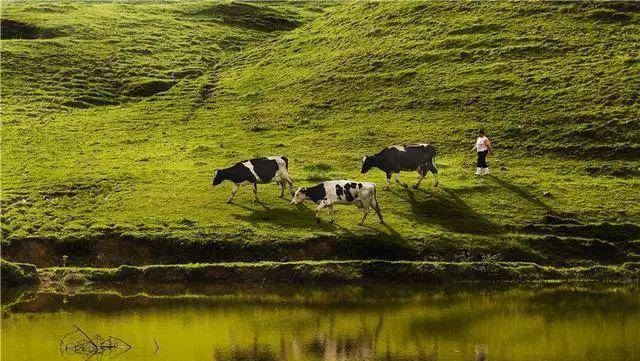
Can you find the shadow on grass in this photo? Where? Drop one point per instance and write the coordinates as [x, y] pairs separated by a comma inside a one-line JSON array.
[[303, 216], [391, 231], [521, 192], [444, 208], [283, 215]]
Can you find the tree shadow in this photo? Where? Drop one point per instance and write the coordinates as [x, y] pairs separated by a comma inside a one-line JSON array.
[[447, 210], [520, 192]]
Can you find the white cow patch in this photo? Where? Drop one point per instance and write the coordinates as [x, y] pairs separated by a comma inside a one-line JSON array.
[[282, 172], [253, 171], [398, 147]]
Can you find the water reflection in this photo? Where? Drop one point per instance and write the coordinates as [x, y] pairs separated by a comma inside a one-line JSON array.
[[337, 323]]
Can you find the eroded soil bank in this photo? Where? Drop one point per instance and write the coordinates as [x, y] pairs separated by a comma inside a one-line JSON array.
[[554, 241], [329, 272]]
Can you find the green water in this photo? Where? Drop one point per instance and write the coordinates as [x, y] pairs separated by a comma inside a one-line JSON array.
[[338, 323]]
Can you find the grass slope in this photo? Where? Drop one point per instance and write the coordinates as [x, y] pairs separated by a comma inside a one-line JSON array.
[[116, 114]]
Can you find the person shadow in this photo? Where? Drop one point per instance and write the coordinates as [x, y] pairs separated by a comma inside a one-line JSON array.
[[521, 192], [447, 210]]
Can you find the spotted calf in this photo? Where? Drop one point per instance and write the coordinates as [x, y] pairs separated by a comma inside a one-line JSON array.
[[254, 171], [326, 194]]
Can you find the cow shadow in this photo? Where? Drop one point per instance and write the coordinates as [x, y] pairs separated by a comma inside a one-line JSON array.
[[521, 192], [303, 216], [369, 224], [289, 216], [446, 209]]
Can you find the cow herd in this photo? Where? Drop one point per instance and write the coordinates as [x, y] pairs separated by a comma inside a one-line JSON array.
[[391, 160]]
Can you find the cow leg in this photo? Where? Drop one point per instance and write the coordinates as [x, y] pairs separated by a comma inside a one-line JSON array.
[[318, 208], [234, 190], [285, 177], [376, 207], [396, 176], [365, 212], [386, 186], [331, 213], [289, 181], [281, 189], [422, 170], [432, 168], [255, 192]]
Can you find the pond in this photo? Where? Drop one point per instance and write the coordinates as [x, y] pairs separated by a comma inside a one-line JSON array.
[[457, 322]]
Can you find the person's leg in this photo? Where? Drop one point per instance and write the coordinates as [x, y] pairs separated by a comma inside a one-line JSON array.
[[485, 166], [479, 163]]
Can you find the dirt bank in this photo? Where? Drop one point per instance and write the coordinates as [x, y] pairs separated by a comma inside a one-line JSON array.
[[546, 243], [17, 274], [371, 271]]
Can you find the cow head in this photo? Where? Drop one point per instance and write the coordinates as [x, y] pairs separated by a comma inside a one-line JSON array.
[[300, 196], [367, 163], [218, 177]]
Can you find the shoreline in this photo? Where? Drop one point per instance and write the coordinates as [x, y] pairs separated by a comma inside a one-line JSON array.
[[338, 272]]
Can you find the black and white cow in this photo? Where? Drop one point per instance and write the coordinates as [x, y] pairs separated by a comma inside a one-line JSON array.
[[254, 171], [326, 194], [396, 158]]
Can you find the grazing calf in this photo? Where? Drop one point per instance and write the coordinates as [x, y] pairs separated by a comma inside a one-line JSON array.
[[396, 158], [326, 194], [254, 171]]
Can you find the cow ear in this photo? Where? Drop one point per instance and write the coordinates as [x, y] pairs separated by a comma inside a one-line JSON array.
[[364, 159], [303, 189]]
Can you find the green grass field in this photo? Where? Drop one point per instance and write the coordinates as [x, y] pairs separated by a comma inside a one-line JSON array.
[[115, 115]]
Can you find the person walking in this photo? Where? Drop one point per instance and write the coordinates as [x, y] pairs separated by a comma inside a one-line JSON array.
[[482, 147]]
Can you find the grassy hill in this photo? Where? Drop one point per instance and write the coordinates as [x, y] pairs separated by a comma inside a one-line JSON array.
[[116, 114]]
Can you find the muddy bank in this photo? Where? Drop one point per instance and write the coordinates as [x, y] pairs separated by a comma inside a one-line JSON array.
[[372, 271], [546, 243], [18, 274]]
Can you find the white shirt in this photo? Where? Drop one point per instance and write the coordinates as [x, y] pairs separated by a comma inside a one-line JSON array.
[[480, 144]]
